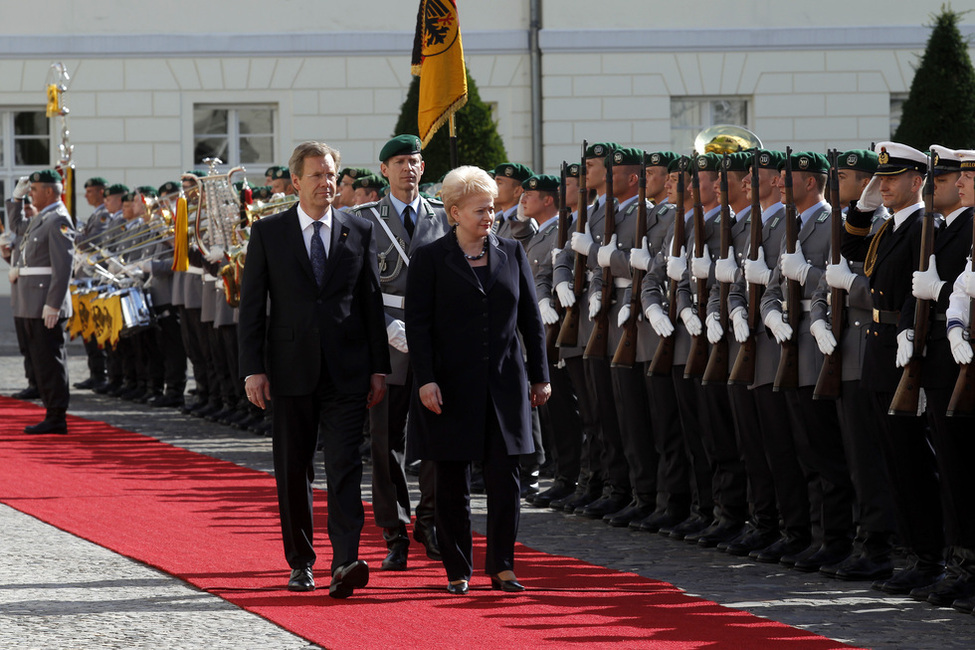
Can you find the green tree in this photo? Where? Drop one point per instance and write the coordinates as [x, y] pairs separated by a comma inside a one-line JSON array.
[[940, 108], [478, 141]]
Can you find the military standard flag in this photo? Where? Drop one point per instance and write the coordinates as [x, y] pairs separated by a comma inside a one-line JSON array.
[[438, 59]]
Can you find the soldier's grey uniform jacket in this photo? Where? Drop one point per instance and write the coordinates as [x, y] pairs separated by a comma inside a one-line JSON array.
[[511, 228], [44, 263], [431, 225]]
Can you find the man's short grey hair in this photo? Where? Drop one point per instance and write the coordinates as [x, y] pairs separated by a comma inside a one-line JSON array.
[[311, 149]]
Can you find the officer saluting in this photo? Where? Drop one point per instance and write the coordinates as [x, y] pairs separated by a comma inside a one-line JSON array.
[[40, 280]]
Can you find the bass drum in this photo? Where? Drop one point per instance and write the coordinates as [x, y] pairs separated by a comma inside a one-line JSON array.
[[137, 313]]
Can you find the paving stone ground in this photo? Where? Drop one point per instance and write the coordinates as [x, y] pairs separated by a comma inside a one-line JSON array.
[[58, 591]]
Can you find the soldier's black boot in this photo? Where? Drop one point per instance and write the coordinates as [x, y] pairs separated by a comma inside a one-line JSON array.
[[54, 422]]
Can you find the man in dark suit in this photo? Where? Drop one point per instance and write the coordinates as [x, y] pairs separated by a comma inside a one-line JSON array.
[[324, 344]]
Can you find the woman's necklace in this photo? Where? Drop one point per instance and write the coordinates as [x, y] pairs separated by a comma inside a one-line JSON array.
[[479, 255]]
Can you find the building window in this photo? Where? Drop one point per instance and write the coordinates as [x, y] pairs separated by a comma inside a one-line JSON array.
[[25, 146], [896, 111], [237, 135], [691, 115]]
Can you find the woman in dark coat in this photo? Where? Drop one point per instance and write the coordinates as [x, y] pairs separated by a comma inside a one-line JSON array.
[[468, 296]]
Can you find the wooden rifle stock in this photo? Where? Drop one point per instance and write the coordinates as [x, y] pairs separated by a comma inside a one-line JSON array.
[[625, 355], [717, 368], [787, 374], [569, 334], [743, 372], [552, 331], [908, 393], [962, 402], [663, 356], [828, 386], [598, 345], [697, 358]]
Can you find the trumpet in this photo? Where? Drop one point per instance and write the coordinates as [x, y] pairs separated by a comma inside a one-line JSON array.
[[266, 208]]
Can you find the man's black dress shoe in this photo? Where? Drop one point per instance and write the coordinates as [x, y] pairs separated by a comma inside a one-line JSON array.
[[723, 532], [396, 559], [689, 526], [347, 578], [506, 585], [557, 491], [575, 501], [30, 392], [86, 384], [655, 521], [601, 507], [301, 580], [52, 423], [903, 582], [458, 589], [860, 567], [827, 554], [632, 512], [753, 540], [166, 399], [782, 547], [427, 536]]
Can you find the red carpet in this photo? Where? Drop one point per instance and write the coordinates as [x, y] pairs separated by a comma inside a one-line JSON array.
[[214, 524]]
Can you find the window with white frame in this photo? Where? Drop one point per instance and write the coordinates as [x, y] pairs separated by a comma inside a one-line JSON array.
[[25, 146], [691, 115], [896, 111], [237, 135]]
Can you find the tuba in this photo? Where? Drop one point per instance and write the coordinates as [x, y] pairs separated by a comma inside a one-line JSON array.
[[726, 138]]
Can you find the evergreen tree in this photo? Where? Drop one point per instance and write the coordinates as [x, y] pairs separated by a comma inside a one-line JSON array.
[[478, 141], [940, 108]]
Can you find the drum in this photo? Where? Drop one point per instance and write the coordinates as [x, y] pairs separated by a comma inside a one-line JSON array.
[[136, 311]]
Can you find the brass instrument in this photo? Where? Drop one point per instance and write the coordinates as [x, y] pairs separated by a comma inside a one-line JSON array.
[[726, 138], [260, 209]]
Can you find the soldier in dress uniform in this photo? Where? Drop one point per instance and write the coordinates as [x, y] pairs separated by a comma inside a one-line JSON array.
[[889, 257], [95, 195], [19, 212], [113, 359], [403, 221], [281, 181], [347, 177], [509, 177], [40, 279], [369, 189]]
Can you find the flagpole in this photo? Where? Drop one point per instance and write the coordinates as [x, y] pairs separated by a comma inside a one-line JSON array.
[[453, 143]]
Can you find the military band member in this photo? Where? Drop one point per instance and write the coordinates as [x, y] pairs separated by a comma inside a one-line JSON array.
[[889, 256], [281, 182], [402, 222], [369, 189], [509, 177], [40, 279], [113, 363], [347, 177]]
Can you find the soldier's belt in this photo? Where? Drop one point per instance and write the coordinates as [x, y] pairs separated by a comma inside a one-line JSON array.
[[194, 270], [35, 270], [622, 283], [209, 278], [390, 300], [805, 305], [886, 317]]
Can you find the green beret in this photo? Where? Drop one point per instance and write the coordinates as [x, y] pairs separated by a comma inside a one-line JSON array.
[[627, 156], [770, 159], [542, 183], [147, 190], [269, 170], [46, 176], [355, 172], [862, 160], [661, 158], [280, 172], [369, 182], [572, 171], [128, 196], [96, 181], [737, 162], [199, 173], [401, 145], [708, 162], [809, 161], [601, 149], [169, 187], [520, 173], [117, 188], [262, 193], [679, 164]]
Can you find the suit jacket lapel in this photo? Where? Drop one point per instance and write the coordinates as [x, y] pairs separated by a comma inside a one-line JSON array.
[[456, 261], [340, 231]]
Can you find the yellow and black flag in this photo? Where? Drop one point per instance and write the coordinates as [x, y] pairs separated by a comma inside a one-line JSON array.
[[438, 59]]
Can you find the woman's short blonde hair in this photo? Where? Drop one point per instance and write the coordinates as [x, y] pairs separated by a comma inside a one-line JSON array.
[[463, 183]]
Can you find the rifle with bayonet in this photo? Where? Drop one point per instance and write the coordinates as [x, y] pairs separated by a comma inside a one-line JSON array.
[[626, 350], [598, 345], [697, 358], [552, 331], [962, 402], [569, 334], [743, 372], [717, 368], [787, 375], [663, 356], [908, 393], [828, 385]]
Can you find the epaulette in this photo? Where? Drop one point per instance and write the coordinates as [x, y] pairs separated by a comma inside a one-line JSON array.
[[363, 206], [436, 202]]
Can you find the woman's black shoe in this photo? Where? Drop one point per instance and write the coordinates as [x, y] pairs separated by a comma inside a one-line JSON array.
[[506, 585], [458, 589]]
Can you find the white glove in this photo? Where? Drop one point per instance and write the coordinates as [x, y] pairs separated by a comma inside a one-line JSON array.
[[549, 315], [794, 265], [595, 302], [715, 331], [7, 239], [23, 186], [905, 348], [566, 296], [13, 273], [520, 213], [134, 271], [726, 270], [756, 271], [623, 316], [691, 322], [824, 336], [396, 334], [605, 253], [780, 329], [927, 285], [870, 200], [145, 267], [961, 349], [676, 265], [640, 257], [215, 255], [659, 321], [581, 242], [839, 276], [50, 316], [740, 322], [701, 266]]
